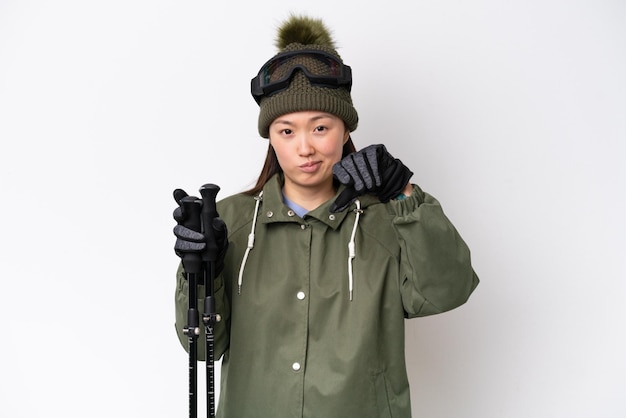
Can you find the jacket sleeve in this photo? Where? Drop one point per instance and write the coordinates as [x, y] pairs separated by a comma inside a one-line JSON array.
[[222, 308], [436, 274]]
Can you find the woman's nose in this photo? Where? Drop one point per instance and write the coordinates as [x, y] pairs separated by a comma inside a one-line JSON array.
[[305, 146]]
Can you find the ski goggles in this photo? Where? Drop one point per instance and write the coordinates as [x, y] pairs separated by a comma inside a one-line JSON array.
[[320, 68]]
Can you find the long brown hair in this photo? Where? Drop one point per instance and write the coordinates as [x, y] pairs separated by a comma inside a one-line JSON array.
[[271, 166]]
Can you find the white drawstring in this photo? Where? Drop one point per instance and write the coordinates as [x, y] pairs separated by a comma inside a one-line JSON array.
[[352, 248], [250, 242]]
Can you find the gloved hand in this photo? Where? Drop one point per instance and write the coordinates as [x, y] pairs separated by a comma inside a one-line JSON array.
[[191, 241], [370, 170]]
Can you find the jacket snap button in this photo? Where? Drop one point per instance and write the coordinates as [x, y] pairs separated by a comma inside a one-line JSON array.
[[303, 227], [295, 366], [270, 213], [300, 295], [290, 213], [331, 217]]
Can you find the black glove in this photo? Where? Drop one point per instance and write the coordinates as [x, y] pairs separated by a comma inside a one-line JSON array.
[[191, 241], [370, 170]]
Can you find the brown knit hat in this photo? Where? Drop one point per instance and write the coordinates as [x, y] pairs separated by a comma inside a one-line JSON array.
[[300, 34]]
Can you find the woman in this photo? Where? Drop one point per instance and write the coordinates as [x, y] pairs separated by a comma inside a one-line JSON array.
[[326, 256]]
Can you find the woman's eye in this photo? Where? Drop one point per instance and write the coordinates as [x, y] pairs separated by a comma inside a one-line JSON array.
[[287, 131], [320, 128]]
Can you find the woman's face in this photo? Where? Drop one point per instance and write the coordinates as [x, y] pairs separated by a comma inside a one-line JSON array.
[[307, 145]]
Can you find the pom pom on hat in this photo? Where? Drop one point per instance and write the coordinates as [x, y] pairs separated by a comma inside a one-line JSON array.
[[303, 30]]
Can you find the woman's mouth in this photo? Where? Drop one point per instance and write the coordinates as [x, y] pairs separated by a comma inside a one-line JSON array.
[[310, 166]]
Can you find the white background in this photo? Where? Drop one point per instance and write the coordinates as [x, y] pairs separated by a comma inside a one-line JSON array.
[[511, 113]]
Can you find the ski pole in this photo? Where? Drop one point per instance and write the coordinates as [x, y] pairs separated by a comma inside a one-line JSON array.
[[209, 317], [192, 264]]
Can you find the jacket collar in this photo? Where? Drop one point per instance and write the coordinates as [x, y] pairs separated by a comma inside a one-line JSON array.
[[274, 210]]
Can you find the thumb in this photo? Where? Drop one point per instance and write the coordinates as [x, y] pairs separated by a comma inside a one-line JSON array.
[[344, 200], [179, 194]]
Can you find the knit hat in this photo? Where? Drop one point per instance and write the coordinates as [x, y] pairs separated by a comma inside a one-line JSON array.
[[306, 34]]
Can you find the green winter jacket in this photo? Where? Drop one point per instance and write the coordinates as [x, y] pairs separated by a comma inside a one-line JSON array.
[[293, 342]]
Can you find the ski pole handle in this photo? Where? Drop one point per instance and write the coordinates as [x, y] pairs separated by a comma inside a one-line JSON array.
[[192, 208], [209, 212]]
